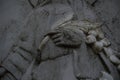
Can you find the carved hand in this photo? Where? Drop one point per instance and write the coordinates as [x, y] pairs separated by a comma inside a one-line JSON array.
[[65, 37]]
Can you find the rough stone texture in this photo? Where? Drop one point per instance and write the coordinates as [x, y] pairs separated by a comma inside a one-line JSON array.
[[109, 12], [12, 16], [22, 28]]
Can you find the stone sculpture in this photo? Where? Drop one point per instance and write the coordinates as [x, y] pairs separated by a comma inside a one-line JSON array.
[[69, 49]]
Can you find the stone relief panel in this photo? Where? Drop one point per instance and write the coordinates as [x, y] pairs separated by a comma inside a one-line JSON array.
[[56, 45]]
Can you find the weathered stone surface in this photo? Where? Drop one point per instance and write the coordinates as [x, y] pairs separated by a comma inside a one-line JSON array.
[[12, 16], [108, 11], [22, 28]]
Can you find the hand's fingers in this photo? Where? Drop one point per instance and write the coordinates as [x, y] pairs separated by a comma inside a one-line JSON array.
[[57, 40], [59, 43], [52, 32], [56, 36]]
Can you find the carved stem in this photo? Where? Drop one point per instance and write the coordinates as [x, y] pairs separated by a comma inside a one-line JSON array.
[[43, 42]]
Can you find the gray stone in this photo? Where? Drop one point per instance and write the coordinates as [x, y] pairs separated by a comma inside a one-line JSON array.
[[58, 28]]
